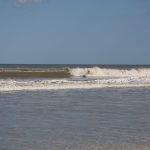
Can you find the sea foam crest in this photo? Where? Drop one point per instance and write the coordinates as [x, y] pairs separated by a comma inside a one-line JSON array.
[[106, 72]]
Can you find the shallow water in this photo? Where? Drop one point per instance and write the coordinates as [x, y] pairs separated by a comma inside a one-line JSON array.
[[75, 119]]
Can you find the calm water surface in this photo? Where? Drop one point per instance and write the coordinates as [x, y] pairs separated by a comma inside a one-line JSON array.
[[95, 119]]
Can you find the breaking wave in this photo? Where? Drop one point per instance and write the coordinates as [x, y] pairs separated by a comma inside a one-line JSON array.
[[75, 72], [72, 78], [109, 72]]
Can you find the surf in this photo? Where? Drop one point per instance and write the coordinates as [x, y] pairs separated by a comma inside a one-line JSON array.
[[73, 77], [109, 72], [58, 84]]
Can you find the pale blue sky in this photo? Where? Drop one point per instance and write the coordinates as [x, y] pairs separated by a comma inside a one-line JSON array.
[[75, 31]]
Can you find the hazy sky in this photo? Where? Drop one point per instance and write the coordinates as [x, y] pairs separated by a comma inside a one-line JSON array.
[[75, 31]]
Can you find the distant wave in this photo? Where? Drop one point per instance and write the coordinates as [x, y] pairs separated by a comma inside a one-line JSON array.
[[74, 72]]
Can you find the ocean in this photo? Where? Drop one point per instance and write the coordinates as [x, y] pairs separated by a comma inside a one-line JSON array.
[[74, 107]]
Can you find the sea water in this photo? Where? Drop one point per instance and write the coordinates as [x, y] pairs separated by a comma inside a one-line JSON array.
[[93, 109]]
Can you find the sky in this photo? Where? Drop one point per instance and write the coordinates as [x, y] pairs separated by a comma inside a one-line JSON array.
[[74, 31]]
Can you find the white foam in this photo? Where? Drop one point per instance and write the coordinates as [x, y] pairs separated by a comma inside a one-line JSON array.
[[106, 72], [11, 85]]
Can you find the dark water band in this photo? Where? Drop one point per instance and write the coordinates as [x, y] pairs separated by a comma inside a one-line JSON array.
[[35, 74]]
